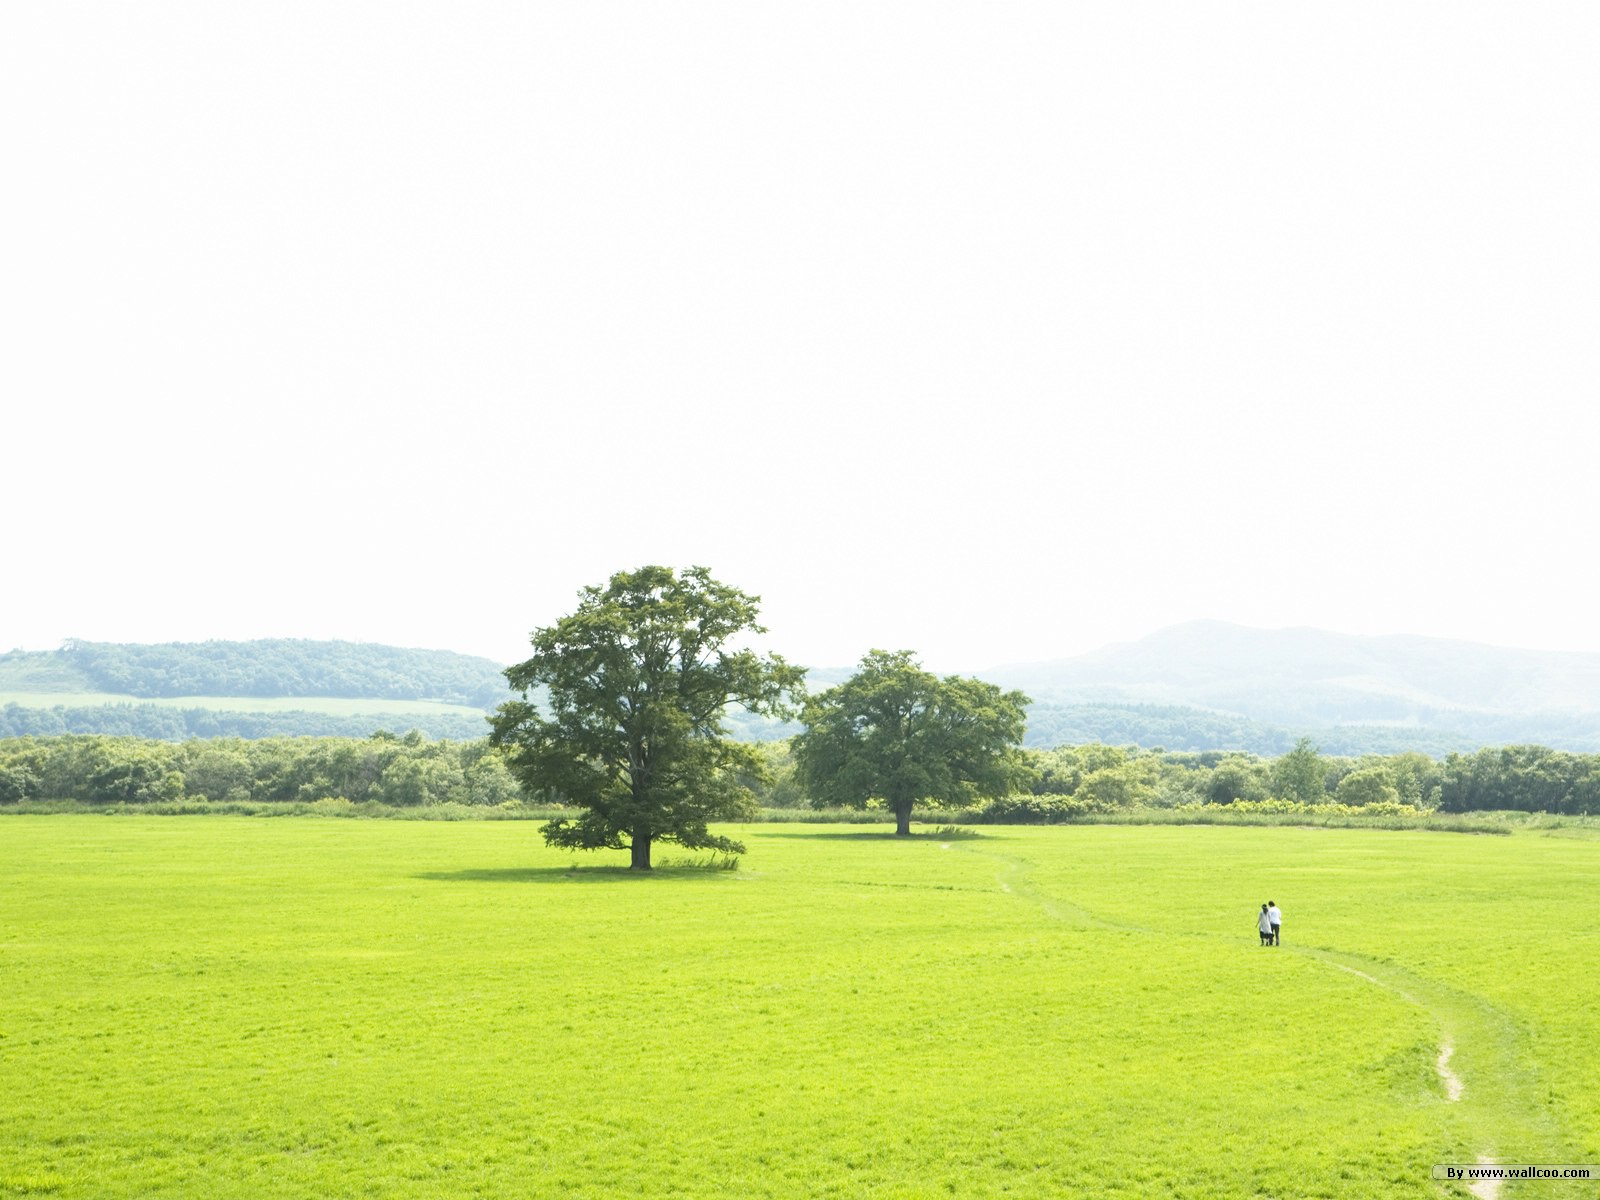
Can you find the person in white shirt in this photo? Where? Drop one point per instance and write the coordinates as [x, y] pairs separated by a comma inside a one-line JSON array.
[[1276, 918], [1264, 926]]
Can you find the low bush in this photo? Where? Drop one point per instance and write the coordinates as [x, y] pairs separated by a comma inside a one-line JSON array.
[[1382, 808], [1021, 808], [825, 816]]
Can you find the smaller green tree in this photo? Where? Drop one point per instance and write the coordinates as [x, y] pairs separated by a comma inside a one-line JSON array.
[[1301, 774], [1416, 778], [17, 783], [1370, 785], [216, 769], [418, 779], [1125, 785], [1236, 777], [901, 734], [129, 771], [489, 781]]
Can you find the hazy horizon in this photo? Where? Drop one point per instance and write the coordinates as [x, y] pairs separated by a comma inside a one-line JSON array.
[[997, 334], [834, 665]]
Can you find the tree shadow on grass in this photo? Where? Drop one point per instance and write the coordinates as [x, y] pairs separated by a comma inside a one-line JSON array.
[[562, 874]]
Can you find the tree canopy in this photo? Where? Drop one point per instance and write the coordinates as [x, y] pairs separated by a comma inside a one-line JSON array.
[[900, 734], [621, 711], [1301, 774]]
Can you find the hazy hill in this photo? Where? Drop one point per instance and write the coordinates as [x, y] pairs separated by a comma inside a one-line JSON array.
[[1206, 685], [263, 688], [1387, 692], [271, 667]]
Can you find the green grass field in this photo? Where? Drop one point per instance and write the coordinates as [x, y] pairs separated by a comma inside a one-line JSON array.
[[226, 1007]]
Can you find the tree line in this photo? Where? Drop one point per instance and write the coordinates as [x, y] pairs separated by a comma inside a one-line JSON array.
[[1080, 780], [401, 771], [1058, 784]]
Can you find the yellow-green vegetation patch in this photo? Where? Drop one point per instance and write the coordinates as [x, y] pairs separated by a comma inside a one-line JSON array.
[[294, 1008]]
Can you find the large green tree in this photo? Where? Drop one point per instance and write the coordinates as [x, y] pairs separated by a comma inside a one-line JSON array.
[[900, 734], [621, 711]]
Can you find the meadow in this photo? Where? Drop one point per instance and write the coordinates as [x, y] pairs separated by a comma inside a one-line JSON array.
[[233, 1007]]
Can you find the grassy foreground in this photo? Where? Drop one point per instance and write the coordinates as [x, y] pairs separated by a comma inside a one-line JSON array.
[[243, 1008]]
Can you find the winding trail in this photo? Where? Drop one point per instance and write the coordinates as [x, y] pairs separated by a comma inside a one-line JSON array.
[[1453, 1087], [1496, 1045], [1485, 1189]]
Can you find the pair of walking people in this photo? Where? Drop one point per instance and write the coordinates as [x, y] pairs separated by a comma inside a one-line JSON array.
[[1268, 922]]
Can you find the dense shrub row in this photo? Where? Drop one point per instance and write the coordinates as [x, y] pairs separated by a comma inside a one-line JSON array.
[[1523, 778], [1380, 808], [402, 772], [1069, 783], [171, 724]]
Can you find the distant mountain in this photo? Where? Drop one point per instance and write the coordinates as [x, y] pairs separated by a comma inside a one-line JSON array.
[[276, 667], [1385, 693], [273, 687], [1206, 685]]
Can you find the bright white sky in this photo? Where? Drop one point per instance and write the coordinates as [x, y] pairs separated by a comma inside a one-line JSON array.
[[993, 331]]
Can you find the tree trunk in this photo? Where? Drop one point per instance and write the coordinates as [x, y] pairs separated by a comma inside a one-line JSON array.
[[902, 819], [641, 852]]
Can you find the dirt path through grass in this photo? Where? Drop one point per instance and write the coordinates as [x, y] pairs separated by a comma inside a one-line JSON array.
[[1499, 1112], [1453, 1087]]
